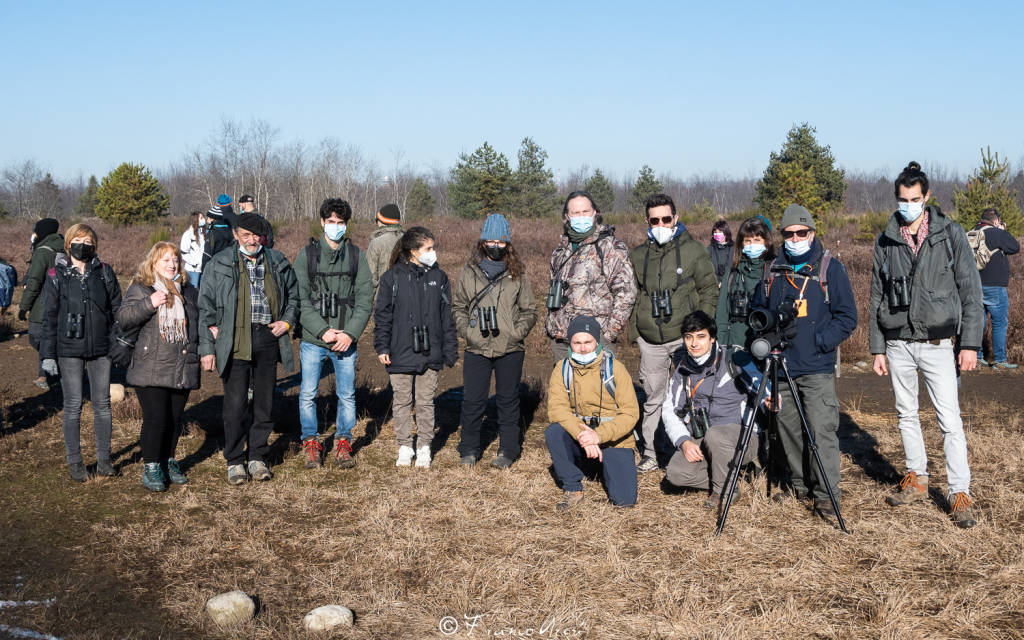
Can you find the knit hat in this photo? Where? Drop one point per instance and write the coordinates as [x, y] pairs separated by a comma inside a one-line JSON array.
[[795, 214], [496, 228], [223, 199], [252, 222], [766, 221], [586, 324], [45, 227], [214, 212], [245, 198], [389, 214]]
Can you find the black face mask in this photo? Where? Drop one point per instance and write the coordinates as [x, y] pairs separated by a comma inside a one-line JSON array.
[[495, 253], [82, 251]]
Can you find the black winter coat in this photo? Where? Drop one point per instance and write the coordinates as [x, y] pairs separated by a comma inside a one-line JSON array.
[[410, 295], [92, 298], [156, 362], [721, 258]]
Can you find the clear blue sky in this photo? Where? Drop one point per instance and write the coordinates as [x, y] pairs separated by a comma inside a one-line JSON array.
[[685, 87]]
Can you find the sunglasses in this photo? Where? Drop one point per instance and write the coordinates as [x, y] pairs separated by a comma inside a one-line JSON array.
[[802, 233], [663, 220]]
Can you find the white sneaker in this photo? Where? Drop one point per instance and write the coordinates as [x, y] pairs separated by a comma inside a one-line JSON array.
[[405, 454], [423, 457]]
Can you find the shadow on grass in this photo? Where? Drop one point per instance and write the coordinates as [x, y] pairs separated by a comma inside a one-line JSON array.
[[862, 447], [448, 415]]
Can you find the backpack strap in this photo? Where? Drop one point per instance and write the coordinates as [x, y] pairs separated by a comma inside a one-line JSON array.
[[826, 259], [608, 374]]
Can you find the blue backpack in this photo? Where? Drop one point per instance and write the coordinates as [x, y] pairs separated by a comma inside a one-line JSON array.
[[8, 280]]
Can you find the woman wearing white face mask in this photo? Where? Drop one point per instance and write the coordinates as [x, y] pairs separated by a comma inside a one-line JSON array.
[[165, 362], [192, 243], [414, 337], [755, 250]]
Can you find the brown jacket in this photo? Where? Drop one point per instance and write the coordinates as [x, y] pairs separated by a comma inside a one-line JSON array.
[[588, 397]]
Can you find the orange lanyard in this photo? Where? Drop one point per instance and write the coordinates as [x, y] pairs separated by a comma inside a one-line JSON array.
[[802, 289]]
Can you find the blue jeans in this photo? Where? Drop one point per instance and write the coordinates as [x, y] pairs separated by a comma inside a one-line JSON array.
[[311, 358], [997, 305], [618, 466], [193, 277]]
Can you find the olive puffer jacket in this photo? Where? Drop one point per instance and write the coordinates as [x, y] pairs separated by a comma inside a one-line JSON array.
[[156, 362]]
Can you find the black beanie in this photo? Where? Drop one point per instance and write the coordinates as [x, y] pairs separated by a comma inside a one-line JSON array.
[[45, 227], [252, 222], [586, 324]]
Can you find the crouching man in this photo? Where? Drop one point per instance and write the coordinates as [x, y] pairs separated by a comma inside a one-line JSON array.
[[704, 409], [593, 410]]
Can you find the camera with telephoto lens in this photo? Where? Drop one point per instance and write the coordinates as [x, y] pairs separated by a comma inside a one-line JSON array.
[[421, 339], [556, 295], [781, 318], [75, 328], [899, 292], [488, 319], [328, 304], [661, 304]]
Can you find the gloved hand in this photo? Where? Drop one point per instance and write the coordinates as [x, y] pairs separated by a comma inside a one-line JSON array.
[[22, 314], [50, 366]]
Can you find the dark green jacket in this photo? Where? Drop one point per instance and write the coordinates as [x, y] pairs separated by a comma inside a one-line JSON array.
[[514, 302], [695, 287], [945, 288], [740, 282], [42, 261], [218, 298], [335, 277]]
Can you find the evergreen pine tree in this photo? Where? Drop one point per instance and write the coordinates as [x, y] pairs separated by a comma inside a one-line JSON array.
[[46, 197], [646, 185], [130, 194], [601, 190], [989, 187], [86, 207], [533, 186], [480, 182], [420, 203], [801, 159]]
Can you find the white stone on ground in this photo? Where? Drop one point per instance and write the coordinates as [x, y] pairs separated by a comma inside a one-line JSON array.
[[231, 608], [116, 392], [326, 618]]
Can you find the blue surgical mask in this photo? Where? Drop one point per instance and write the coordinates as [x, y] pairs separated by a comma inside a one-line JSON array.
[[798, 247], [911, 211], [753, 250], [581, 224], [334, 232], [584, 358], [251, 254], [202, 222]]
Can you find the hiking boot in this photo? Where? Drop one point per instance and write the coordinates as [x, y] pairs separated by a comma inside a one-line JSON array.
[[423, 457], [1003, 365], [913, 488], [713, 500], [501, 462], [647, 463], [259, 471], [823, 508], [312, 449], [105, 469], [405, 455], [153, 477], [237, 474], [569, 500], [78, 472], [960, 510], [172, 472], [41, 382], [468, 461], [343, 454]]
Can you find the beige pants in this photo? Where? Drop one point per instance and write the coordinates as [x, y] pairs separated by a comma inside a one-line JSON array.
[[423, 385], [719, 444], [655, 372]]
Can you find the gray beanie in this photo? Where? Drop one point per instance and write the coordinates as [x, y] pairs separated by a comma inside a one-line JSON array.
[[795, 214]]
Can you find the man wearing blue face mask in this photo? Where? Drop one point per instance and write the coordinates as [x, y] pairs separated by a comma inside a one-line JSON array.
[[335, 302], [811, 288], [926, 296], [590, 274]]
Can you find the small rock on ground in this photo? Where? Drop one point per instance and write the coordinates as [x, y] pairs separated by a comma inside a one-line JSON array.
[[116, 392], [327, 617], [231, 608]]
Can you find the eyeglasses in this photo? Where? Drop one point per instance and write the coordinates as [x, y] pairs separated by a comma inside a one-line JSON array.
[[801, 233], [663, 220]]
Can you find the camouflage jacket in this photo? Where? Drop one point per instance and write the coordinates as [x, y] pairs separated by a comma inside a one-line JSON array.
[[599, 281]]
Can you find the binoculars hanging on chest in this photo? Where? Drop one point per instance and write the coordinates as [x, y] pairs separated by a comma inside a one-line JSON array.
[[74, 329], [488, 319], [328, 304], [556, 295], [421, 339], [899, 292], [661, 304]]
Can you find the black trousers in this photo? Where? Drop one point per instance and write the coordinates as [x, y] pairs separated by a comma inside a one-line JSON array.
[[241, 427], [476, 380], [161, 421]]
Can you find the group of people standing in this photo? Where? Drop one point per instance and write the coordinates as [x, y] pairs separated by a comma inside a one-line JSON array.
[[224, 300]]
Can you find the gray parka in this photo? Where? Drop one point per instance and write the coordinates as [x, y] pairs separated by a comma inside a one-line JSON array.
[[945, 289], [156, 362]]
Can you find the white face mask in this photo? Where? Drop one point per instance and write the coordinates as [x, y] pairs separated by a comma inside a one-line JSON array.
[[798, 247], [662, 235], [911, 211], [427, 258], [584, 358]]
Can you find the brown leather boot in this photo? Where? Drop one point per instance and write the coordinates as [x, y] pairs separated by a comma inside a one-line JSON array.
[[960, 510], [913, 488]]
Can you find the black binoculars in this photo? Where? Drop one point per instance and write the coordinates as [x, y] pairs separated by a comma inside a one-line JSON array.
[[700, 421], [328, 304], [899, 292], [421, 339], [75, 327], [661, 304], [488, 319], [556, 295], [739, 305]]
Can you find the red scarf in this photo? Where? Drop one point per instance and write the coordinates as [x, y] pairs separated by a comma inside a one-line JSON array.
[[922, 234]]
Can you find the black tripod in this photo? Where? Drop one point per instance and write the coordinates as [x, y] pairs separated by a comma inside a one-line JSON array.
[[774, 363]]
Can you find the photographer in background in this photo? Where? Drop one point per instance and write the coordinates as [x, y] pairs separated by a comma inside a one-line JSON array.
[[925, 297], [995, 276], [810, 285]]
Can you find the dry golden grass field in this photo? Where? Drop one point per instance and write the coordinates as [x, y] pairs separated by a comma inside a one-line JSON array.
[[404, 549]]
